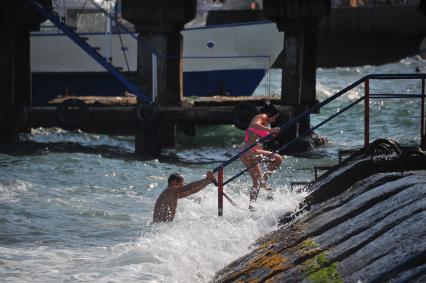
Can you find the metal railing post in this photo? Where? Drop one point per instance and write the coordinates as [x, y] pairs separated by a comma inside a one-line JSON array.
[[422, 117], [154, 77], [366, 112], [220, 192]]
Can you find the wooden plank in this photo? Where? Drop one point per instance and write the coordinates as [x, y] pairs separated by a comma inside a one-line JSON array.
[[130, 99], [229, 100], [125, 100]]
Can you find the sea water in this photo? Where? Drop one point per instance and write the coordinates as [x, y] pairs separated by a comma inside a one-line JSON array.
[[82, 217]]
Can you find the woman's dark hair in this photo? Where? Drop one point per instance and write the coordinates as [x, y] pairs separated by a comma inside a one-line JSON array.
[[174, 177], [269, 110]]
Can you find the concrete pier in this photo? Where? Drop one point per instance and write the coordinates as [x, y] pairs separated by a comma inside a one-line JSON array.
[[309, 28], [122, 120], [368, 35]]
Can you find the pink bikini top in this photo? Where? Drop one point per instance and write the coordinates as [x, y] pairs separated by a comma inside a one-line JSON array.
[[260, 133]]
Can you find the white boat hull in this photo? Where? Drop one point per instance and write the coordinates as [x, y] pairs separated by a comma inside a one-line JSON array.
[[217, 60], [229, 59]]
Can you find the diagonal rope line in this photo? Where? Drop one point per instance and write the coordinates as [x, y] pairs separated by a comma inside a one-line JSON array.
[[230, 200], [81, 10]]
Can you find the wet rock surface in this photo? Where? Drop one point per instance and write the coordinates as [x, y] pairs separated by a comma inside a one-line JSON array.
[[364, 221]]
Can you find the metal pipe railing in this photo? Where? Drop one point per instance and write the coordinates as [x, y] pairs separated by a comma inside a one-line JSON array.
[[394, 95], [366, 98], [220, 192], [422, 117], [314, 108], [292, 122], [366, 113], [307, 132], [409, 76]]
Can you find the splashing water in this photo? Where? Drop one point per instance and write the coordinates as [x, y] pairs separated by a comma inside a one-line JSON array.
[[78, 217]]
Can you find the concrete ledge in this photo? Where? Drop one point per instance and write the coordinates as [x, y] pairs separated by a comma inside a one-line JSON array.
[[122, 119]]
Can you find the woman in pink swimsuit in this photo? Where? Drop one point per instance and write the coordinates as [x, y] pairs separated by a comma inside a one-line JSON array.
[[259, 128]]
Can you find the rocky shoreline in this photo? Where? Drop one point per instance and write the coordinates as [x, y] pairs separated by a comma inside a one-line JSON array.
[[363, 222]]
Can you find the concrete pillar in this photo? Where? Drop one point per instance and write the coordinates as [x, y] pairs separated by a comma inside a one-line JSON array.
[[298, 18], [291, 82], [167, 46], [147, 141], [168, 136], [158, 43], [15, 74], [190, 130], [16, 21], [309, 74], [159, 24]]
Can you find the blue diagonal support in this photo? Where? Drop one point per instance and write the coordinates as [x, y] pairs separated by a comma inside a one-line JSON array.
[[37, 6]]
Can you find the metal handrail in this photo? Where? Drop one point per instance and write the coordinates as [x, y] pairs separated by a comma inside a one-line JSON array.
[[292, 122], [314, 108]]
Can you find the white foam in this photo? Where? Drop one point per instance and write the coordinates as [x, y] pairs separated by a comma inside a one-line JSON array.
[[11, 191], [199, 243], [191, 249]]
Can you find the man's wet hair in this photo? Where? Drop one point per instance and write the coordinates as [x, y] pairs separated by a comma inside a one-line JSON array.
[[269, 109], [175, 177]]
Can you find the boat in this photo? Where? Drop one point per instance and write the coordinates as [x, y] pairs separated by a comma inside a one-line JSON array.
[[225, 52]]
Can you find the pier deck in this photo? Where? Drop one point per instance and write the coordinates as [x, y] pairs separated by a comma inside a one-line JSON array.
[[121, 120], [131, 100]]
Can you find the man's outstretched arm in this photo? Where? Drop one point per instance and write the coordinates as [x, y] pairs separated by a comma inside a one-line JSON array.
[[196, 186]]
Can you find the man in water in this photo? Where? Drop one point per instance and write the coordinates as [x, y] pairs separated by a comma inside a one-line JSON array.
[[165, 206]]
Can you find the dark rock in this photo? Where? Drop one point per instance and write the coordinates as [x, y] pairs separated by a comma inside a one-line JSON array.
[[363, 222], [298, 146], [414, 275]]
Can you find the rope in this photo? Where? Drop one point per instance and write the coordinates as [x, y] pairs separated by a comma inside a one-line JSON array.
[[122, 49], [121, 40], [81, 10], [230, 200], [226, 196]]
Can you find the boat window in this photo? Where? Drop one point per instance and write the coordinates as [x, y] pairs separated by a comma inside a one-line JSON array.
[[210, 44]]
